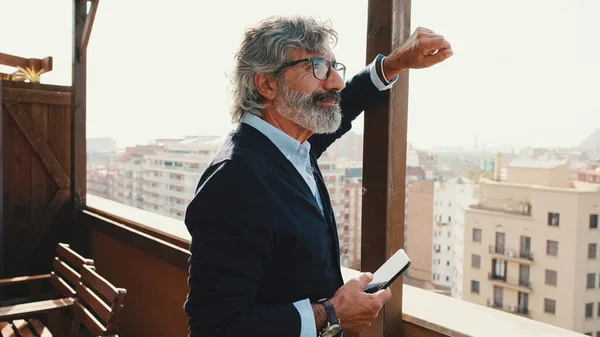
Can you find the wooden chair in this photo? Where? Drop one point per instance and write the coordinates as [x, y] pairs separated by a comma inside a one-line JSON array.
[[98, 306], [64, 278]]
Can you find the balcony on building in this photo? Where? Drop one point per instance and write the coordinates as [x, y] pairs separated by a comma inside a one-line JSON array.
[[510, 308], [520, 209], [516, 283], [518, 255]]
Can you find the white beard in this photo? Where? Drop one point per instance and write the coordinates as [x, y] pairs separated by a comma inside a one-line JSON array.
[[302, 109]]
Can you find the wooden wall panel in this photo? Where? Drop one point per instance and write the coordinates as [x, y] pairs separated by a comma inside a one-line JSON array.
[[36, 165], [413, 330], [156, 290]]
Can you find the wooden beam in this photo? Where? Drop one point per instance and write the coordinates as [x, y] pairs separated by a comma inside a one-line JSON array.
[[78, 106], [16, 61], [384, 168], [87, 29], [13, 61], [2, 142], [37, 96]]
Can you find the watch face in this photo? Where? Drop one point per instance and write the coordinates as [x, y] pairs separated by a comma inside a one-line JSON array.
[[332, 331]]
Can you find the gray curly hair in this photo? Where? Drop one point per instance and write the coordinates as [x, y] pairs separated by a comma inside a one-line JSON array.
[[264, 49]]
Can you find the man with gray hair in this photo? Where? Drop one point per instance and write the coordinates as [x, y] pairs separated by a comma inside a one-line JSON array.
[[264, 251]]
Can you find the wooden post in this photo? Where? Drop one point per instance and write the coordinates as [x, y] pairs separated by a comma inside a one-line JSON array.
[[2, 142], [79, 236], [384, 167], [78, 106]]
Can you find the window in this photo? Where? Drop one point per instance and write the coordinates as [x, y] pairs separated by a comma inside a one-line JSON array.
[[551, 277], [475, 287], [551, 247], [553, 219], [591, 281], [475, 261], [594, 221], [549, 306], [499, 269], [592, 250], [589, 310], [447, 263], [476, 235]]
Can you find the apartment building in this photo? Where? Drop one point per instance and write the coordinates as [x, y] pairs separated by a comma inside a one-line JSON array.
[[128, 180], [466, 194], [418, 220], [349, 229], [333, 175], [451, 199], [412, 174], [443, 250], [100, 181], [170, 176], [426, 160], [531, 246], [589, 175]]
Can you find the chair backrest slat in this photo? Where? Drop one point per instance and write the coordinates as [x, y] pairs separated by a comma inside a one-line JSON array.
[[64, 270], [84, 316], [94, 302], [68, 254], [61, 286], [91, 279]]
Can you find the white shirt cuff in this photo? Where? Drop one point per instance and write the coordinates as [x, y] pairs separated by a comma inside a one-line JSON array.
[[376, 80], [307, 318]]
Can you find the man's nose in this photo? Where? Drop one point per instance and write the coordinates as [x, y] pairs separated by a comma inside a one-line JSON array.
[[334, 81]]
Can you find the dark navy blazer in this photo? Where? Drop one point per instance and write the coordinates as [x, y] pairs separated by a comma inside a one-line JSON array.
[[259, 240]]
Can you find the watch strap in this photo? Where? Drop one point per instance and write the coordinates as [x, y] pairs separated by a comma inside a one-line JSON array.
[[330, 312]]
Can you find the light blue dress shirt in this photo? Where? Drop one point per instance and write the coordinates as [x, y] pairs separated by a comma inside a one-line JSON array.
[[298, 155]]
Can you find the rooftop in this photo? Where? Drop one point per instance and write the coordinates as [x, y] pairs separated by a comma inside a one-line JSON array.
[[574, 186], [537, 164]]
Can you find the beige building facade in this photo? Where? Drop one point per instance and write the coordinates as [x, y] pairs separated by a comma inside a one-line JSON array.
[[531, 246]]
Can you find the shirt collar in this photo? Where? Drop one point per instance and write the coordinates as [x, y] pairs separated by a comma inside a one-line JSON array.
[[289, 146]]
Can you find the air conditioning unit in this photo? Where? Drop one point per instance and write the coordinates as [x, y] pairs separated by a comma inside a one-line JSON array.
[[512, 308], [490, 302], [509, 253]]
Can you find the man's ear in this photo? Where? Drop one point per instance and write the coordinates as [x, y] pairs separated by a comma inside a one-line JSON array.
[[266, 86]]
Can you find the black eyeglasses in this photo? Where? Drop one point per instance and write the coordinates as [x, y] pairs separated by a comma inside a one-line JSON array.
[[321, 67]]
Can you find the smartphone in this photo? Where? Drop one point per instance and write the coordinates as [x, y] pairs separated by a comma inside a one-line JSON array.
[[389, 272]]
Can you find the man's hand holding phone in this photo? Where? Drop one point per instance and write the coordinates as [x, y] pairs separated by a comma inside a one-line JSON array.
[[356, 309]]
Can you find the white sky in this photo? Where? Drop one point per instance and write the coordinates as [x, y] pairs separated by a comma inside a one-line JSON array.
[[523, 73]]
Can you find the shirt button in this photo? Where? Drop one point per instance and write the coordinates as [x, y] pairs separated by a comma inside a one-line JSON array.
[[301, 151]]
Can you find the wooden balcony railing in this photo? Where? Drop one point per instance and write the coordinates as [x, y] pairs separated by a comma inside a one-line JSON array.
[[154, 271]]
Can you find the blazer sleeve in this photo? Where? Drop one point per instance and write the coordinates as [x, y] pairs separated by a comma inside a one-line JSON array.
[[232, 242], [359, 94]]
